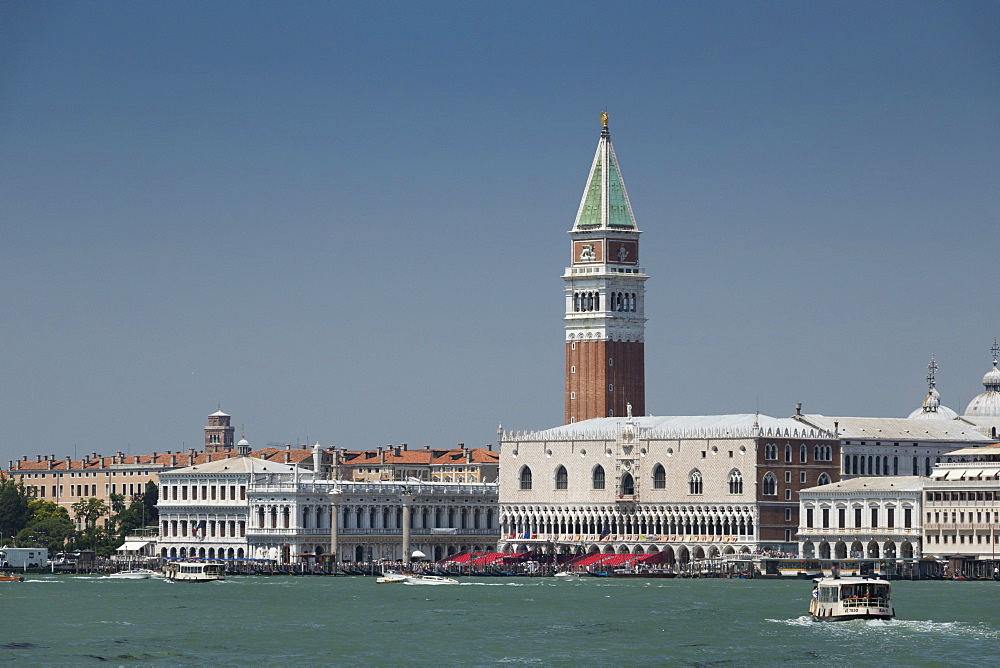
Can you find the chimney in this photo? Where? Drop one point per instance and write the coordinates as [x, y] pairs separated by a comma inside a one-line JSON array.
[[798, 408], [427, 447], [381, 455], [403, 445], [288, 446], [173, 460], [397, 450], [38, 458], [153, 460], [468, 456], [288, 457], [191, 457]]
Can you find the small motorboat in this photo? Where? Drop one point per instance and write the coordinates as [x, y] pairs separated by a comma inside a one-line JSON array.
[[421, 579], [568, 575], [134, 574], [10, 577], [389, 577], [839, 599]]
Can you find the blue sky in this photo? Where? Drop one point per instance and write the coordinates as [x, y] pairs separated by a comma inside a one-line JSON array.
[[346, 222]]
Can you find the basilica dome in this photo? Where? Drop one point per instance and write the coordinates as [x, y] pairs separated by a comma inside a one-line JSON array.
[[932, 409], [987, 404]]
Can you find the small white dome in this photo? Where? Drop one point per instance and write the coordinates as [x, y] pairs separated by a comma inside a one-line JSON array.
[[243, 441]]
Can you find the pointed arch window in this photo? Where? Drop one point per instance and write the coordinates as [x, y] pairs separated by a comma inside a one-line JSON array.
[[695, 483], [598, 477], [769, 486], [628, 485], [788, 453], [802, 453], [823, 479], [659, 477], [562, 479], [525, 478], [735, 482]]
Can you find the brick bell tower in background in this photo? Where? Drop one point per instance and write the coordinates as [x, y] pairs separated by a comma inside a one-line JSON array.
[[605, 322]]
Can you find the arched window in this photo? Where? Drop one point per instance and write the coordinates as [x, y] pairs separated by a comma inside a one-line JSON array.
[[695, 483], [562, 479], [788, 453], [823, 479], [598, 477], [735, 482], [628, 485], [769, 487], [659, 477], [802, 453], [525, 478]]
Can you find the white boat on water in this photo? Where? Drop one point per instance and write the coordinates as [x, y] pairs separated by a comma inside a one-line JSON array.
[[194, 571], [389, 577], [568, 575], [421, 579], [134, 574], [839, 599]]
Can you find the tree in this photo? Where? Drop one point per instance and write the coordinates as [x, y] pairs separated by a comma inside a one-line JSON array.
[[88, 511], [13, 508], [50, 526]]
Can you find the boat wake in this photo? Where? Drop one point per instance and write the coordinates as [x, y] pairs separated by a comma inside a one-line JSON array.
[[877, 627]]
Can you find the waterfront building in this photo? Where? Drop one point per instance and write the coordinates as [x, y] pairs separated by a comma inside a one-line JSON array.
[[399, 463], [247, 507], [961, 504], [887, 447], [878, 518], [685, 486], [605, 298]]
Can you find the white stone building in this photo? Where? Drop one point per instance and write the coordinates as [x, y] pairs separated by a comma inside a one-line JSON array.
[[685, 486], [877, 518], [245, 507]]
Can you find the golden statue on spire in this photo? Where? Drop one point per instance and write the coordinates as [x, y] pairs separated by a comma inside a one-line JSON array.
[[604, 119]]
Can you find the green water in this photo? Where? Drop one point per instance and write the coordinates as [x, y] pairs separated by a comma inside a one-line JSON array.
[[339, 621]]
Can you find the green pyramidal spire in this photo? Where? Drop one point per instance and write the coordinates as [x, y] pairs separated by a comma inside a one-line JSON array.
[[605, 203]]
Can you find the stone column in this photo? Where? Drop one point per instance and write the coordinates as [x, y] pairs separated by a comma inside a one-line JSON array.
[[406, 500], [334, 521]]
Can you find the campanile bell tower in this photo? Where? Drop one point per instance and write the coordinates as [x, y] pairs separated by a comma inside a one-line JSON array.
[[605, 297]]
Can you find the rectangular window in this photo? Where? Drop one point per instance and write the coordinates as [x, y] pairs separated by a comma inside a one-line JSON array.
[[788, 514], [826, 518], [842, 518], [890, 518], [809, 518], [788, 476], [857, 517], [907, 518], [802, 477], [243, 496], [874, 517], [788, 495]]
